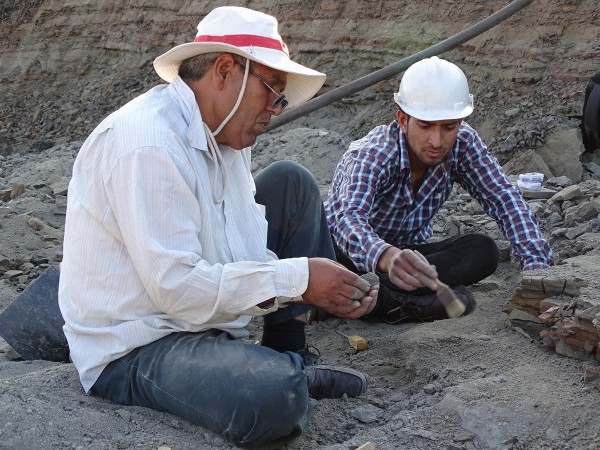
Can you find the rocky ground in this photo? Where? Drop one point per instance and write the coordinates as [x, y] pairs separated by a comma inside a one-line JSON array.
[[488, 380]]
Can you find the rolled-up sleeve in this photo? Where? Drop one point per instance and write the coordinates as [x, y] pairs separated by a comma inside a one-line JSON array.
[[160, 228], [483, 177]]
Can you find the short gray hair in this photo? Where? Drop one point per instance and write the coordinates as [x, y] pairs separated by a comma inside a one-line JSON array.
[[195, 67]]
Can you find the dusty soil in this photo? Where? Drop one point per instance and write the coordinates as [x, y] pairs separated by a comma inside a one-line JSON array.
[[475, 382]]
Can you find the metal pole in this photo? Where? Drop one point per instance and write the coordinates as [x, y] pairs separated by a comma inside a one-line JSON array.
[[393, 69]]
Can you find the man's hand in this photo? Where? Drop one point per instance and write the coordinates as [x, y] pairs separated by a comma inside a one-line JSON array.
[[406, 270], [338, 291], [371, 298]]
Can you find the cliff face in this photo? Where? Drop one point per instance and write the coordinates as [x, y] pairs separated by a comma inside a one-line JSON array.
[[65, 64]]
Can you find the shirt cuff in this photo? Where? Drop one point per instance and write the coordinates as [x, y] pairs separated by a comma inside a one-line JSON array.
[[278, 303], [374, 254], [291, 277], [534, 266]]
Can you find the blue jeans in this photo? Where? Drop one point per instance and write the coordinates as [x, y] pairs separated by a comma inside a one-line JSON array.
[[297, 222], [249, 393]]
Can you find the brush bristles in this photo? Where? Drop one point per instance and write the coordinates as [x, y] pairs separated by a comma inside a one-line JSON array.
[[455, 308]]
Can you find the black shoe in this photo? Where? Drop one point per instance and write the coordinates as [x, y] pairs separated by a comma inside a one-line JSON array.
[[399, 307], [310, 355], [326, 381]]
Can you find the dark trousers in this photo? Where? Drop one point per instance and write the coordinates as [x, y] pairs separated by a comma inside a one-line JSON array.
[[297, 223], [250, 393], [462, 260]]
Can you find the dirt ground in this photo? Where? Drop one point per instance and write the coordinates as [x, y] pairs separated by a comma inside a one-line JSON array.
[[467, 383]]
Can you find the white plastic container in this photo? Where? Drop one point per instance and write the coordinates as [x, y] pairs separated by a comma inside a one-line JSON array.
[[530, 181]]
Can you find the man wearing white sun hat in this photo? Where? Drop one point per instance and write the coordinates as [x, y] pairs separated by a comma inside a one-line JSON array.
[[171, 246], [388, 186]]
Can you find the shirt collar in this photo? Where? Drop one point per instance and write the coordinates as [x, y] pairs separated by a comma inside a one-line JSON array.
[[402, 147], [189, 106]]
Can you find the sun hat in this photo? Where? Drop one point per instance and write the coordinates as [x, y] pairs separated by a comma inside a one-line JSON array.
[[248, 33]]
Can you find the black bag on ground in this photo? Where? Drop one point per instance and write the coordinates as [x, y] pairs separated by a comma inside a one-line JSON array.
[[590, 118], [32, 323]]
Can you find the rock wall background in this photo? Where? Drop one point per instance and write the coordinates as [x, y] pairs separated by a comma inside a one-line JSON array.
[[65, 64]]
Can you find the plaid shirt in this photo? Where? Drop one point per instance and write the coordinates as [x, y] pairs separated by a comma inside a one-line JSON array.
[[371, 204]]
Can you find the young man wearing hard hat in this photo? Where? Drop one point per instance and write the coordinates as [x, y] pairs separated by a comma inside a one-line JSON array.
[[389, 185]]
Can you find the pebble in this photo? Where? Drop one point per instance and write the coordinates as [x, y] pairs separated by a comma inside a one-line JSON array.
[[365, 414], [430, 389]]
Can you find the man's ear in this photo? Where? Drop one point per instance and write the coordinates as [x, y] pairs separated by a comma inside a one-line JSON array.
[[402, 120], [223, 70]]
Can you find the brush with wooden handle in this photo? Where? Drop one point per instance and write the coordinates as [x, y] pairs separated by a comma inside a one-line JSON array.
[[452, 304]]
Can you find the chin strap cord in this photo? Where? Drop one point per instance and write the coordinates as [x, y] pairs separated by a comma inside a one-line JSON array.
[[213, 146]]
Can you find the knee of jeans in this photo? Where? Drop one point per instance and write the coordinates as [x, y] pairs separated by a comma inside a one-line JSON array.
[[290, 171], [276, 409], [286, 167]]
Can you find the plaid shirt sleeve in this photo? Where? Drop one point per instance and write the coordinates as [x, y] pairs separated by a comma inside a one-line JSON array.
[[360, 172], [483, 177]]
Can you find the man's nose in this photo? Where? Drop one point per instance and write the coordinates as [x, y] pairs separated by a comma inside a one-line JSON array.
[[435, 138]]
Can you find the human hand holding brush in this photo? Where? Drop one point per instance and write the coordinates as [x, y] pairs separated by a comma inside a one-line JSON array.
[[410, 270], [452, 304]]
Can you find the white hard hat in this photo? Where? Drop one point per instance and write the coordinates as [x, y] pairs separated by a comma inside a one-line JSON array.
[[434, 89]]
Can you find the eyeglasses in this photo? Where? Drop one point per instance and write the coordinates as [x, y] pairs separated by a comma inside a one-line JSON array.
[[280, 99]]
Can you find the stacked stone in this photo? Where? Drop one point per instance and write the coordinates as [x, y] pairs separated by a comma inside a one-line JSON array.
[[549, 308]]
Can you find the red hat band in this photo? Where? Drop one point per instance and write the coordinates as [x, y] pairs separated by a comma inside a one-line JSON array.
[[246, 40]]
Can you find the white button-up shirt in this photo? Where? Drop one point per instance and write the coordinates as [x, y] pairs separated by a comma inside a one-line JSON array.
[[147, 252]]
